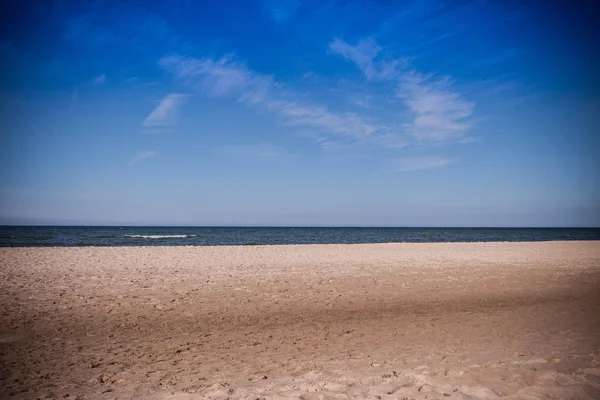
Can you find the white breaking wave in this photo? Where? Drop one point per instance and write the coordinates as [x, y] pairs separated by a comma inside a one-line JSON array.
[[158, 236]]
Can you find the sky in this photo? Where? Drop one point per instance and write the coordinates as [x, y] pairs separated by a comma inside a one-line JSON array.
[[300, 113]]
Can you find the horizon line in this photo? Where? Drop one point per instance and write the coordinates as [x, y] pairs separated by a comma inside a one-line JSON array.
[[293, 226]]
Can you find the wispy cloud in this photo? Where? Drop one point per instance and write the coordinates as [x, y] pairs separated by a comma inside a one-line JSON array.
[[142, 155], [506, 90], [438, 111], [363, 101], [364, 55], [166, 114], [318, 117], [227, 77], [423, 162], [221, 77], [310, 76]]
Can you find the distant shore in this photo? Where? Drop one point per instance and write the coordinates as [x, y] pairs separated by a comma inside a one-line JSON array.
[[398, 320]]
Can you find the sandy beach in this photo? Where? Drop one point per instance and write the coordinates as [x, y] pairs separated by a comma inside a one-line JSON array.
[[373, 321]]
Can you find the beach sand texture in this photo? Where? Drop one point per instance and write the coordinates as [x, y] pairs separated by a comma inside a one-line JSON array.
[[372, 321]]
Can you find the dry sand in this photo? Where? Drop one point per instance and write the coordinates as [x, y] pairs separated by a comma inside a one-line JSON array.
[[374, 321]]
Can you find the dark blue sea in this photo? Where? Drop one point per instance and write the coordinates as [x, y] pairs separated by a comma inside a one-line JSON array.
[[56, 236]]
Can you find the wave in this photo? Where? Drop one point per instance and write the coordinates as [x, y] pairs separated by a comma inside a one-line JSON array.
[[159, 236]]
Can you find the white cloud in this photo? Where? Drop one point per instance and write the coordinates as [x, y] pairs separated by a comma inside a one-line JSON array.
[[226, 77], [345, 124], [424, 162], [142, 155], [363, 101], [166, 114], [310, 76], [438, 111], [99, 80], [217, 77], [364, 54]]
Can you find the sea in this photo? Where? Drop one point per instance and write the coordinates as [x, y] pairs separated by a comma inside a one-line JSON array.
[[62, 236]]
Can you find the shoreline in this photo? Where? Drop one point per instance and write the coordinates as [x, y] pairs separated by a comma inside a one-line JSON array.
[[450, 320], [301, 244]]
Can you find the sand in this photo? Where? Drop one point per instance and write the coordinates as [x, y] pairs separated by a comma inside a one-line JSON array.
[[373, 321]]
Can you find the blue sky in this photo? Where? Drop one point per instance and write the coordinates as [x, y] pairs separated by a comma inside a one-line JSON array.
[[360, 113]]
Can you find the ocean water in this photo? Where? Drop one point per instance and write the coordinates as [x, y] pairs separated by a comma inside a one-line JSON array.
[[57, 236]]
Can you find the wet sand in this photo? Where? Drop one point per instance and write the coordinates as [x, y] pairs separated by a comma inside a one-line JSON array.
[[373, 321]]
